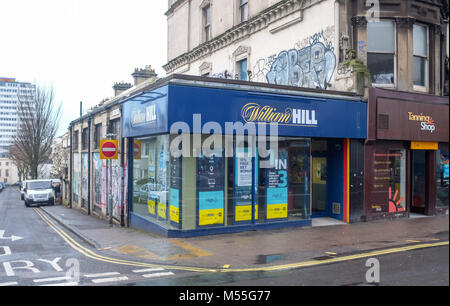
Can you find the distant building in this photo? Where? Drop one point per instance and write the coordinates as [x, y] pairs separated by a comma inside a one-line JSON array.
[[11, 92]]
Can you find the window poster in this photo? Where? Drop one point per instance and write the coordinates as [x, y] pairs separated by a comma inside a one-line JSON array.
[[243, 185], [76, 177], [84, 178], [162, 178], [150, 188], [276, 183], [99, 191], [210, 188], [175, 190], [389, 187], [116, 187]]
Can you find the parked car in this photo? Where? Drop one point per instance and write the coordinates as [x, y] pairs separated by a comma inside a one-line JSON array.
[[39, 192], [1, 186]]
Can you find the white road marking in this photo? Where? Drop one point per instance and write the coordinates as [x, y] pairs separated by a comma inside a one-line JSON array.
[[148, 270], [157, 274], [6, 251], [12, 238], [63, 284], [51, 279], [110, 279], [101, 274], [8, 284]]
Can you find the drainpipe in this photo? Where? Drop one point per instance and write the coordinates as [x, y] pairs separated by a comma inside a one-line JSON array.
[[89, 165], [70, 168], [122, 163]]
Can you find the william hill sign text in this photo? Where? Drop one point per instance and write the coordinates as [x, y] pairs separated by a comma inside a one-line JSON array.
[[253, 112]]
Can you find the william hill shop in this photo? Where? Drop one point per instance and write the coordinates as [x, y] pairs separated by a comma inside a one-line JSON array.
[[216, 156], [406, 155]]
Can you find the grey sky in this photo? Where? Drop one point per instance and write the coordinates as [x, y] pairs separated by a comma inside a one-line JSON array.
[[81, 47]]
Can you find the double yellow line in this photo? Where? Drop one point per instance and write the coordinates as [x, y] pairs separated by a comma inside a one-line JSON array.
[[88, 253]]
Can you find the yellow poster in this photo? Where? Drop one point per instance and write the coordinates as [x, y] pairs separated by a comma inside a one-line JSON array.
[[174, 214], [152, 207], [162, 210], [277, 211], [210, 216], [244, 213]]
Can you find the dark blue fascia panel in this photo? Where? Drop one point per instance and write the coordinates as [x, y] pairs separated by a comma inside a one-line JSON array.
[[146, 113], [335, 118], [154, 112]]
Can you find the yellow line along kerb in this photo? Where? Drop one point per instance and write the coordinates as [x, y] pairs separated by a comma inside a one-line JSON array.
[[75, 245]]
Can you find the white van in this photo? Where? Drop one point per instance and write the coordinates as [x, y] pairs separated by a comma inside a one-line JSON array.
[[39, 192], [22, 187]]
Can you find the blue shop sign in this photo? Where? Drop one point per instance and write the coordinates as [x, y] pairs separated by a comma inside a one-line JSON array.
[[155, 112], [295, 115], [146, 113]]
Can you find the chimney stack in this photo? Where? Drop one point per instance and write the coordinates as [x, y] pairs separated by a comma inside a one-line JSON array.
[[120, 87], [140, 75]]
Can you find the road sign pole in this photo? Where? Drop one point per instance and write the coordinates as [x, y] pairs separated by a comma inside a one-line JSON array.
[[109, 179]]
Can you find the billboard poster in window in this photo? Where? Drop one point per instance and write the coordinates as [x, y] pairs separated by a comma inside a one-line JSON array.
[[276, 183], [211, 186], [175, 191], [243, 185]]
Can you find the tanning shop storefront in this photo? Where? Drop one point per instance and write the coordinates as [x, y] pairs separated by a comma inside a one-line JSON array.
[[208, 160], [406, 154]]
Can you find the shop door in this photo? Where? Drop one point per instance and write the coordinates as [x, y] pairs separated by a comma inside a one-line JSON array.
[[319, 186], [418, 181]]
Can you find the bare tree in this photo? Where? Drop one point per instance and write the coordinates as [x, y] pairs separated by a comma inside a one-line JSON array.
[[38, 123]]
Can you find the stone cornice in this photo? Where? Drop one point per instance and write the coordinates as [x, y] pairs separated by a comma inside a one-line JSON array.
[[241, 31]]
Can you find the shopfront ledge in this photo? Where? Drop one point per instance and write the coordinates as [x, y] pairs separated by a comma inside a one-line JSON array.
[[386, 216], [141, 223]]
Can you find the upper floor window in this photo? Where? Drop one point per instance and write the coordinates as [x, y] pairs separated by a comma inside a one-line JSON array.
[[420, 38], [381, 52], [84, 139], [242, 69], [207, 22], [97, 135], [244, 10]]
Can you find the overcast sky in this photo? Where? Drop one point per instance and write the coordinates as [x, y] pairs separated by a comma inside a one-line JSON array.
[[81, 47]]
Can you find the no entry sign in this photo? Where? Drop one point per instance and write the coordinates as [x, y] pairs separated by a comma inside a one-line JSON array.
[[109, 149]]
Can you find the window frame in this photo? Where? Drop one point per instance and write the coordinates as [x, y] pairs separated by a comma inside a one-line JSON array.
[[242, 4], [395, 54], [206, 24], [239, 68], [422, 88]]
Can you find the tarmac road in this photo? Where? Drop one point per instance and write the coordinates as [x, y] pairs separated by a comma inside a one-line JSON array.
[[32, 253], [36, 250]]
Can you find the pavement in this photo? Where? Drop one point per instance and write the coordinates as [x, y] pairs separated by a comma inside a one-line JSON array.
[[252, 249]]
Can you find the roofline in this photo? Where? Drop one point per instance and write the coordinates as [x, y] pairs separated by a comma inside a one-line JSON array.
[[183, 79]]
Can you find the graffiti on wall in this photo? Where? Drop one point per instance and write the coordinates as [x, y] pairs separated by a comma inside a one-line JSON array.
[[311, 66], [116, 184]]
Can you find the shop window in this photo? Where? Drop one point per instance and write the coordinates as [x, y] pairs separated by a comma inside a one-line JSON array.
[[420, 37], [151, 179], [381, 52], [442, 177], [389, 194], [397, 182]]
